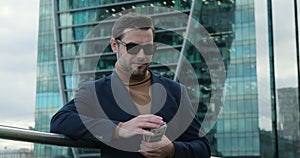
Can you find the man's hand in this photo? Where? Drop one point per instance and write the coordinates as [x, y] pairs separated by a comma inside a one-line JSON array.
[[160, 149], [138, 125]]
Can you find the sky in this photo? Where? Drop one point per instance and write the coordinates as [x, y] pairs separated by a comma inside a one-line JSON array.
[[284, 43], [18, 56]]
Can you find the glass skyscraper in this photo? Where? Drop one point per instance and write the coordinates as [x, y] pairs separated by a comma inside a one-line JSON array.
[[48, 98], [241, 121]]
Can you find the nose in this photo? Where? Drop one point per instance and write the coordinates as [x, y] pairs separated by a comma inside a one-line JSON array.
[[141, 54]]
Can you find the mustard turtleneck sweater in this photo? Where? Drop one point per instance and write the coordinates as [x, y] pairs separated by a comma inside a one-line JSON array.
[[138, 88]]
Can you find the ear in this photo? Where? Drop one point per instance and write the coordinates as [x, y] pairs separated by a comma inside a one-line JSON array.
[[114, 45]]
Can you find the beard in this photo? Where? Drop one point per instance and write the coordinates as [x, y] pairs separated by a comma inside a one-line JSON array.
[[140, 70], [134, 70]]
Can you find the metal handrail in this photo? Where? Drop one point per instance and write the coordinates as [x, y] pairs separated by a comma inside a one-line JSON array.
[[26, 135], [20, 134]]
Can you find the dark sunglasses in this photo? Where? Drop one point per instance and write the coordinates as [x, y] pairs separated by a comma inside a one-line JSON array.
[[134, 48]]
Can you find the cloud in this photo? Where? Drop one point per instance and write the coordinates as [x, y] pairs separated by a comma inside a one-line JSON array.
[[17, 97], [19, 24], [18, 50], [5, 11], [284, 44], [285, 63]]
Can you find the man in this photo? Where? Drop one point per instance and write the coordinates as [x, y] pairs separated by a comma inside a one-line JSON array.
[[118, 111]]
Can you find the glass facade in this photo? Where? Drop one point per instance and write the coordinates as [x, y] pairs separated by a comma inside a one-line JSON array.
[[238, 123], [249, 123], [48, 98]]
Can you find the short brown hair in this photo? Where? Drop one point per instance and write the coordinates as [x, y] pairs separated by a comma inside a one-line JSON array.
[[134, 21]]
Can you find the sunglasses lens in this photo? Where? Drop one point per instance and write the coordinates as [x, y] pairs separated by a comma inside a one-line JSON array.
[[133, 48], [149, 49]]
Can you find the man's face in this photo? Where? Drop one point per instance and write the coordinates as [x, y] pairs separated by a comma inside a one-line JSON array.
[[134, 64]]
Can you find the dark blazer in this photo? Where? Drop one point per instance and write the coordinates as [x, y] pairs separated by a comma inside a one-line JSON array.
[[100, 105]]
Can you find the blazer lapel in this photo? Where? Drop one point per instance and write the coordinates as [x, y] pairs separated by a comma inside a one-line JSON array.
[[122, 96], [158, 94]]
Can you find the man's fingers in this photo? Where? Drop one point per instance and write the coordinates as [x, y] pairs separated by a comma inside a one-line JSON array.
[[144, 132], [148, 125], [138, 125], [150, 118]]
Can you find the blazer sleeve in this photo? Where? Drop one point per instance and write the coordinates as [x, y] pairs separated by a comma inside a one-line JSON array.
[[192, 143], [82, 118]]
